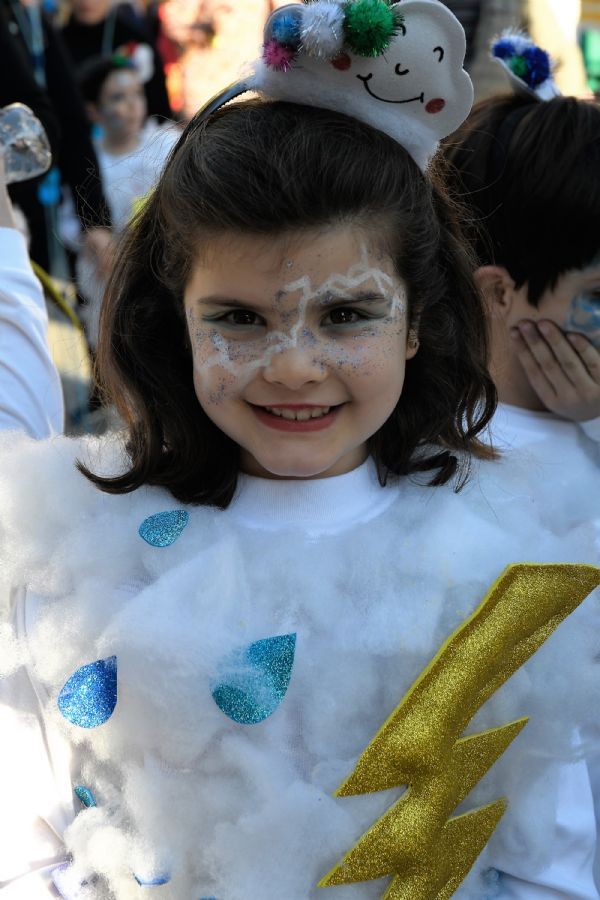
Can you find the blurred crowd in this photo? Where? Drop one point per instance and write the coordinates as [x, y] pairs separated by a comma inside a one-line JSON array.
[[113, 83]]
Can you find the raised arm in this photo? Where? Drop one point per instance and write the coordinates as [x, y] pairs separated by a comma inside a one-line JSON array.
[[30, 390]]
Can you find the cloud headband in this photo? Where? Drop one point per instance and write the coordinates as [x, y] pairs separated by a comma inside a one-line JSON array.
[[397, 67]]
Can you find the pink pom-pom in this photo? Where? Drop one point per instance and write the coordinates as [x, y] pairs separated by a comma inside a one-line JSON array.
[[278, 56]]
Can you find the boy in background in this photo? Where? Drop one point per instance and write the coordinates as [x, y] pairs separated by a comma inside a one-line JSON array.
[[530, 172]]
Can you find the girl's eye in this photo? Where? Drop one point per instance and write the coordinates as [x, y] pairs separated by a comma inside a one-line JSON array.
[[343, 316], [242, 317]]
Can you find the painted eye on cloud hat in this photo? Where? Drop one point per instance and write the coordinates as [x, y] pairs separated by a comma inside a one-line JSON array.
[[397, 67]]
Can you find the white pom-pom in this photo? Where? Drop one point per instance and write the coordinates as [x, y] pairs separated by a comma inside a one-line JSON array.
[[322, 33], [143, 59]]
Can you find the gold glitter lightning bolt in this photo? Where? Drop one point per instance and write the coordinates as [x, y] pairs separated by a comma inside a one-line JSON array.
[[420, 745]]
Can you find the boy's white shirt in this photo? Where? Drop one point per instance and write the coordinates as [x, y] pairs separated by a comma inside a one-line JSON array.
[[565, 457], [515, 427], [42, 805], [31, 398]]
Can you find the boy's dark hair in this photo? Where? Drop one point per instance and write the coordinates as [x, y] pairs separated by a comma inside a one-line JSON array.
[[94, 72], [531, 173], [267, 169]]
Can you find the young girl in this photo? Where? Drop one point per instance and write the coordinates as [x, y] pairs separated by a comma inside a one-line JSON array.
[[209, 629]]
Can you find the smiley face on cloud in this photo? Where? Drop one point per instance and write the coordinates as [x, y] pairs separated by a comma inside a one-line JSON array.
[[396, 67]]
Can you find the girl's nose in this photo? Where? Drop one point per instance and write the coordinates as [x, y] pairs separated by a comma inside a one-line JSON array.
[[295, 367]]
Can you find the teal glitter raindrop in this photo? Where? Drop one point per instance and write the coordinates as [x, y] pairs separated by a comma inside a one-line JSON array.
[[153, 880], [84, 794], [256, 679], [89, 697], [163, 528]]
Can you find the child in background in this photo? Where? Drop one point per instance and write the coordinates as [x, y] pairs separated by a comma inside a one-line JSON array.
[[131, 150], [207, 625], [528, 164]]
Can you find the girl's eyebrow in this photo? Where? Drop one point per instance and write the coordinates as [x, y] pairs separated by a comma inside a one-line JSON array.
[[218, 300], [327, 299], [330, 299]]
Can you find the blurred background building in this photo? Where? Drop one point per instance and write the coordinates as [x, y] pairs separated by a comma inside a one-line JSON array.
[[206, 41]]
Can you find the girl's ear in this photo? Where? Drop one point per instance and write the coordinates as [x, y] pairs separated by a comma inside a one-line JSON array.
[[498, 289], [412, 343]]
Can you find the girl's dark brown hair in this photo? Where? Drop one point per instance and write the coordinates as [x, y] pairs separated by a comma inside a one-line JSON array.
[[269, 169]]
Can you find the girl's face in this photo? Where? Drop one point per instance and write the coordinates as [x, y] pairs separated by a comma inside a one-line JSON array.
[[299, 346]]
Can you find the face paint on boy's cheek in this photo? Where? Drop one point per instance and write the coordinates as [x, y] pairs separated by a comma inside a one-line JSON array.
[[584, 318]]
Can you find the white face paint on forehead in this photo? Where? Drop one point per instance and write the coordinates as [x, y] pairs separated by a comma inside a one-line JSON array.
[[242, 355]]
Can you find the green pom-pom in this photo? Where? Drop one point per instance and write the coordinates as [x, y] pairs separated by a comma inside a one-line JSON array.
[[369, 26], [519, 66]]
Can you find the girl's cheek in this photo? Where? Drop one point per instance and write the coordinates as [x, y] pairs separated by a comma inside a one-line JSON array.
[[373, 349], [222, 368]]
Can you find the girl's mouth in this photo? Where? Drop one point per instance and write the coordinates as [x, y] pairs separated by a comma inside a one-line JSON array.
[[297, 417]]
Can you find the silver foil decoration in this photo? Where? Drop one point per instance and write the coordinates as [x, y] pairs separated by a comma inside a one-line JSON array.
[[23, 143]]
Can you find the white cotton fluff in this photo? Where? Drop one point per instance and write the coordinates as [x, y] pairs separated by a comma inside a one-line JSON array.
[[11, 652], [322, 30], [247, 812]]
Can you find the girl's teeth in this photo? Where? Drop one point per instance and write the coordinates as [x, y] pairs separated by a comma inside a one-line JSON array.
[[300, 415]]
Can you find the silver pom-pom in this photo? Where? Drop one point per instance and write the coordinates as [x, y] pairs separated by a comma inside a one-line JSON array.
[[322, 33]]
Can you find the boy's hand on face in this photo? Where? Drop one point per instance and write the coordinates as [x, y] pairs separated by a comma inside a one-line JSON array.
[[563, 370]]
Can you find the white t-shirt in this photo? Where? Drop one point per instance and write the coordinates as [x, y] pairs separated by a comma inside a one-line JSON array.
[[31, 396], [565, 458], [515, 427], [127, 178]]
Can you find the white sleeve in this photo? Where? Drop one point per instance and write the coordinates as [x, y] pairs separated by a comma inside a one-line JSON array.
[[591, 428], [36, 795], [570, 874], [30, 390]]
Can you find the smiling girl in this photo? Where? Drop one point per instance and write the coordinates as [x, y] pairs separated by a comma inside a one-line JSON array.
[[207, 657]]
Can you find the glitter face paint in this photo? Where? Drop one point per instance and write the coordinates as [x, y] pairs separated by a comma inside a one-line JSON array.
[[584, 317], [574, 303], [299, 347]]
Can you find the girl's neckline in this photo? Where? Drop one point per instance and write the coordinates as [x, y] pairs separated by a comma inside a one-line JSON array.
[[316, 506]]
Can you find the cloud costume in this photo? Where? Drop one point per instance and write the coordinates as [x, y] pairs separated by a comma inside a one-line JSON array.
[[188, 688]]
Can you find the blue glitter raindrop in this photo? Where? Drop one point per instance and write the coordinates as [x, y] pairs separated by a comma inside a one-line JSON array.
[[89, 697], [84, 794], [153, 881], [256, 679], [163, 528]]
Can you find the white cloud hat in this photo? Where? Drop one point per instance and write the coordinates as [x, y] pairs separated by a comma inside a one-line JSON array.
[[397, 67]]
